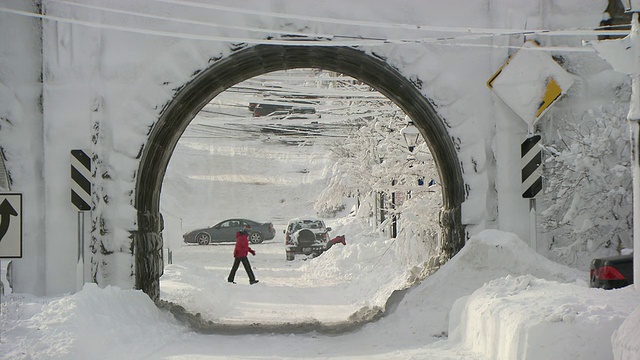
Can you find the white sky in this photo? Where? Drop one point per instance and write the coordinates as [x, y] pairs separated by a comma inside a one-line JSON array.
[[494, 297]]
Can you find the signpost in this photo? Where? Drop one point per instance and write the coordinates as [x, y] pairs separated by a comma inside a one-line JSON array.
[[81, 199], [529, 82], [10, 227], [531, 155]]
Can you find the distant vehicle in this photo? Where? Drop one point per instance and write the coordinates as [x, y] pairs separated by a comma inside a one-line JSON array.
[[611, 272], [300, 116], [305, 236], [265, 109], [279, 114], [303, 110], [225, 231]]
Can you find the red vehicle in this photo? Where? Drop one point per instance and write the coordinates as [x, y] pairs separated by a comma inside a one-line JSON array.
[[611, 272]]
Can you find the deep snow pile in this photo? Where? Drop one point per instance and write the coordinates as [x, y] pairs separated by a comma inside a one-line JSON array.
[[371, 266], [489, 255], [626, 339], [528, 318], [89, 324], [519, 314], [513, 304]]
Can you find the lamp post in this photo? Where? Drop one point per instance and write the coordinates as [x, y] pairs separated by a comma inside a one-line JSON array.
[[411, 134]]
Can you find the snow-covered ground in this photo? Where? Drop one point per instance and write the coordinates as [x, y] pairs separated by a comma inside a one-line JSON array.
[[496, 299]]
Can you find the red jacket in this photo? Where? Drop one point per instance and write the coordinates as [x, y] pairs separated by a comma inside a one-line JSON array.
[[242, 245]]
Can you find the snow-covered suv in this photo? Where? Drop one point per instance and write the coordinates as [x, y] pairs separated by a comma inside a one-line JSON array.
[[305, 236]]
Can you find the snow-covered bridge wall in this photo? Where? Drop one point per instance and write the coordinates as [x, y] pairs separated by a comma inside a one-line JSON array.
[[109, 78]]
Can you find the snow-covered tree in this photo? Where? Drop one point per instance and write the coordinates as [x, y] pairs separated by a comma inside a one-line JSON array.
[[588, 187], [375, 166]]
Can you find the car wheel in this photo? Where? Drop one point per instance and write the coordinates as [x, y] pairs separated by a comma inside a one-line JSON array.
[[203, 239], [290, 256], [256, 238]]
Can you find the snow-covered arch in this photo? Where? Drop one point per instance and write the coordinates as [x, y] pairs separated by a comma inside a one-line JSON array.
[[249, 62]]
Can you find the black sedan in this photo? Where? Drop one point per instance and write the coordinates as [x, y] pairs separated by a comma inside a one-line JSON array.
[[225, 231], [611, 272]]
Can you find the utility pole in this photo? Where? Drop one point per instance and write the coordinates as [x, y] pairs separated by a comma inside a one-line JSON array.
[[617, 53], [634, 123]]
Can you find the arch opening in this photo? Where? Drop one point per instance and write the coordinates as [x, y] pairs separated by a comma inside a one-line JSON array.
[[258, 60]]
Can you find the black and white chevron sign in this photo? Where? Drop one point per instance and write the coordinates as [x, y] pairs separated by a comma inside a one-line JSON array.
[[80, 180], [531, 154]]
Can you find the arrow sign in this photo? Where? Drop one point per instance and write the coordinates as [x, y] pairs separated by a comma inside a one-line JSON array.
[[6, 211], [10, 225]]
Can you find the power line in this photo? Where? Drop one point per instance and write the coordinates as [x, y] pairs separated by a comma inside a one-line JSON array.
[[192, 36], [375, 24], [355, 41], [185, 21]]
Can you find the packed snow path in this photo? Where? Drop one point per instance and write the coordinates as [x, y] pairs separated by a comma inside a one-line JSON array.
[[292, 296]]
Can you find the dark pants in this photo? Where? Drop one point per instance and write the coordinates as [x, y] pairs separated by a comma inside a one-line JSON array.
[[247, 268]]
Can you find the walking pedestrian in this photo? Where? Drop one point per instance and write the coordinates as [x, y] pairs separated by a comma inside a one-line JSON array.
[[240, 253]]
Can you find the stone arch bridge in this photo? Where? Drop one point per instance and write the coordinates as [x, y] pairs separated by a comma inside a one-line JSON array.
[[124, 83]]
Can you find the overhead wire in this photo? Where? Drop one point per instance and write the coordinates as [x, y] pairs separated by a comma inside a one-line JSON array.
[[185, 21], [371, 24], [329, 40], [183, 35]]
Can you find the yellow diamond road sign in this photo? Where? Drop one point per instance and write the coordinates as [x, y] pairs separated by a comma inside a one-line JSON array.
[[530, 82]]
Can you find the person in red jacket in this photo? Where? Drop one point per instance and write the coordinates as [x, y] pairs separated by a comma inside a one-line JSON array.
[[240, 253]]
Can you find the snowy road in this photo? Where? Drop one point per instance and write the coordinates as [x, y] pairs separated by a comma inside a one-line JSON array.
[[288, 291]]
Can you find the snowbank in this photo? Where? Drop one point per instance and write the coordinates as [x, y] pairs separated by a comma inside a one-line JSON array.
[[527, 318], [532, 308], [626, 339], [86, 325], [489, 255]]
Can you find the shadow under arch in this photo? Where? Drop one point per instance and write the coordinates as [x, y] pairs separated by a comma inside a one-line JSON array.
[[257, 60]]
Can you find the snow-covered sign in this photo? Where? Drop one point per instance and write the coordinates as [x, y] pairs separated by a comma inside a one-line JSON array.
[[619, 53], [530, 81]]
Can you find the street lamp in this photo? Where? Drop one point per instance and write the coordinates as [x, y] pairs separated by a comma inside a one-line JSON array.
[[411, 134]]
